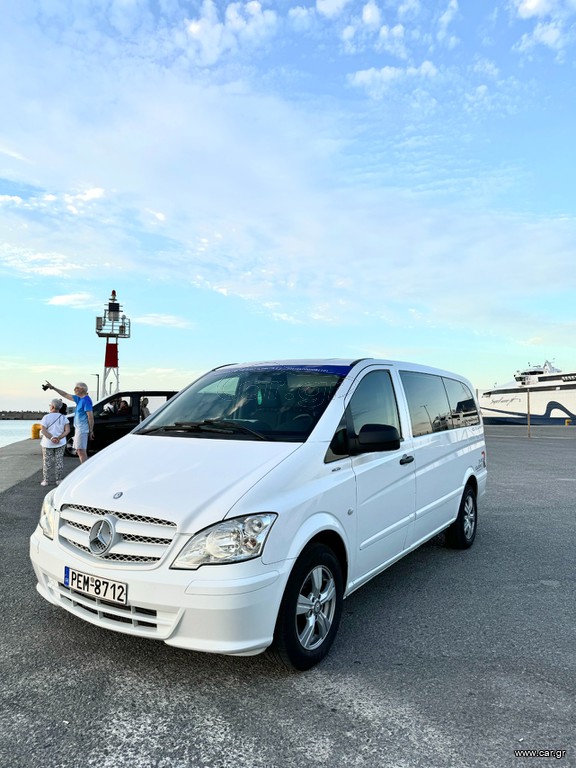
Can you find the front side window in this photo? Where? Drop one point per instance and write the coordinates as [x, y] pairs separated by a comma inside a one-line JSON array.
[[282, 402], [373, 402], [427, 402]]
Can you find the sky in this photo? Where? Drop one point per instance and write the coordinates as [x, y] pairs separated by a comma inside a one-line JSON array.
[[285, 179]]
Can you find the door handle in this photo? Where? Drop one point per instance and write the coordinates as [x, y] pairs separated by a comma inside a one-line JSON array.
[[406, 459]]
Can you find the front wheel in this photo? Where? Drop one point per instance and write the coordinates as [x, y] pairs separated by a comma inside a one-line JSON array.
[[69, 449], [462, 532], [311, 608]]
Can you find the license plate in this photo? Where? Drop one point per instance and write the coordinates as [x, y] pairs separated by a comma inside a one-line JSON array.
[[95, 586]]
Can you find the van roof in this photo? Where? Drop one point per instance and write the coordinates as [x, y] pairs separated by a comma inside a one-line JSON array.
[[341, 366]]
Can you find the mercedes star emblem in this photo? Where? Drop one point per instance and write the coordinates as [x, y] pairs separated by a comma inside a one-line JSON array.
[[101, 536]]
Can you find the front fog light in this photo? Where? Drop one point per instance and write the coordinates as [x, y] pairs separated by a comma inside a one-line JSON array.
[[47, 515], [230, 541]]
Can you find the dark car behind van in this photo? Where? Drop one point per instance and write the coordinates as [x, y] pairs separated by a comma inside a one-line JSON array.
[[118, 414]]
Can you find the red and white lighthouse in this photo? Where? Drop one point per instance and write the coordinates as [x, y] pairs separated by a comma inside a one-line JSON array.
[[112, 326]]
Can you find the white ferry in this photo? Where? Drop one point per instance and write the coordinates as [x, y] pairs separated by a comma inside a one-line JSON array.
[[542, 391]]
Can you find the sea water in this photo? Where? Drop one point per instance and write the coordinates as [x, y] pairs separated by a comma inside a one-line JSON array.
[[14, 430]]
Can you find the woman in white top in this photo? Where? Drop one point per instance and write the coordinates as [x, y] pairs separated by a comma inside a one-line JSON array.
[[54, 428]]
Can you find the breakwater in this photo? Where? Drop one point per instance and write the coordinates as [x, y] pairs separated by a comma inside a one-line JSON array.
[[22, 415]]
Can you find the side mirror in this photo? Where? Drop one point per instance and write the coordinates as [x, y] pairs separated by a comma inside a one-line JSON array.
[[378, 437]]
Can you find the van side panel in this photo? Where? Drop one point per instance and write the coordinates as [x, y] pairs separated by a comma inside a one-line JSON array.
[[445, 451], [385, 504], [443, 462]]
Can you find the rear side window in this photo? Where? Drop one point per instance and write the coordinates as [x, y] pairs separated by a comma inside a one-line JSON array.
[[427, 402], [463, 409]]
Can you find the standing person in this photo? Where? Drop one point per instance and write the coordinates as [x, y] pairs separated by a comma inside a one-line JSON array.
[[54, 428], [83, 417]]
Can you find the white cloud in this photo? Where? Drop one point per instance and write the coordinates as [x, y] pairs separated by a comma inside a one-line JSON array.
[[163, 320], [244, 25], [444, 22], [393, 242], [391, 40], [371, 14], [157, 215], [90, 194], [376, 81], [409, 9], [551, 35], [529, 8], [301, 18], [348, 38], [554, 28], [478, 99], [486, 68], [74, 300], [13, 154], [27, 261], [44, 201], [331, 8]]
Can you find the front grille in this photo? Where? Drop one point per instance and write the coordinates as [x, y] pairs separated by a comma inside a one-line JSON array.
[[145, 621], [140, 540]]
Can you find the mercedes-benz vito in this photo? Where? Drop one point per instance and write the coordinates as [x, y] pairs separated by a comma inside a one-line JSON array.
[[240, 515]]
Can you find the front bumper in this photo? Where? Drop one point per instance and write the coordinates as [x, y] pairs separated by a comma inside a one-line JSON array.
[[228, 609]]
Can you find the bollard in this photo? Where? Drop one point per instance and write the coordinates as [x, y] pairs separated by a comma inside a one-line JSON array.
[[36, 431]]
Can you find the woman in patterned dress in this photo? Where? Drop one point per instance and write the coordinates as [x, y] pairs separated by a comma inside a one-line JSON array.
[[54, 428]]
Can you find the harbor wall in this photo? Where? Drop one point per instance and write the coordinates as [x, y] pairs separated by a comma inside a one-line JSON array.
[[22, 415]]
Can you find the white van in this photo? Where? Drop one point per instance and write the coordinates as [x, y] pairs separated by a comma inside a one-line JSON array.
[[241, 514]]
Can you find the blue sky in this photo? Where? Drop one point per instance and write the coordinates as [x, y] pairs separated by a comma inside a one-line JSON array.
[[263, 180]]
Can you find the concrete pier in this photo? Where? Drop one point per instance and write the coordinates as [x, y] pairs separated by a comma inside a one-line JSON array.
[[447, 659], [22, 460]]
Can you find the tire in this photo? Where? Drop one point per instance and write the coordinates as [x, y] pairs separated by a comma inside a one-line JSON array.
[[462, 532], [310, 611], [69, 449]]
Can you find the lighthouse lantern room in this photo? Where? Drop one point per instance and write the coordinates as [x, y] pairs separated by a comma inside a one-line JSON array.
[[112, 325]]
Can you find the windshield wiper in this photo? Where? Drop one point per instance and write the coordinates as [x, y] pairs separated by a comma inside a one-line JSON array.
[[179, 426], [208, 425], [234, 426]]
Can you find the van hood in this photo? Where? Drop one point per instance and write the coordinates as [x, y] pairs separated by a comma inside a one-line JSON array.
[[191, 481]]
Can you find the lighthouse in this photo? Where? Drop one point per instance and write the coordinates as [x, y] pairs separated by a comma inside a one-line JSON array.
[[112, 326]]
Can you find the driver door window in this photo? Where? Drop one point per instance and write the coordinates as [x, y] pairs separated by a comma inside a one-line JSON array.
[[373, 402]]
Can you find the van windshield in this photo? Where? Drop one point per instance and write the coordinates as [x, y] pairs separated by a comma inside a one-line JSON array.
[[282, 402]]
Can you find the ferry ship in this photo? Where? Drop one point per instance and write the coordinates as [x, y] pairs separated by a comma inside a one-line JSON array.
[[542, 392]]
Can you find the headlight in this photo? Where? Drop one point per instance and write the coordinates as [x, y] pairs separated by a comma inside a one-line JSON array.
[[48, 515], [230, 541]]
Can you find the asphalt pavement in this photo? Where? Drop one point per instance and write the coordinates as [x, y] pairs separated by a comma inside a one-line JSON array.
[[447, 660]]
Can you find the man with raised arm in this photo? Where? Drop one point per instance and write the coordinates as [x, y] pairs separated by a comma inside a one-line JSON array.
[[83, 417]]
